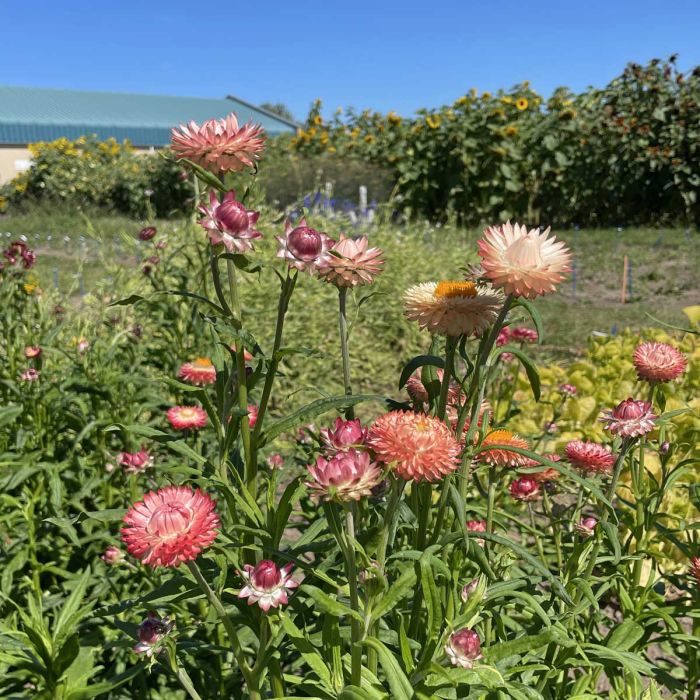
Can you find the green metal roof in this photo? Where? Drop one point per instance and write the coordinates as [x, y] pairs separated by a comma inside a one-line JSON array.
[[28, 115]]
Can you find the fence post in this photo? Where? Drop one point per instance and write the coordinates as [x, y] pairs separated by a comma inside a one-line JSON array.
[[363, 200]]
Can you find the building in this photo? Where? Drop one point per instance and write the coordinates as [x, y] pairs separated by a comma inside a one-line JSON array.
[[28, 115]]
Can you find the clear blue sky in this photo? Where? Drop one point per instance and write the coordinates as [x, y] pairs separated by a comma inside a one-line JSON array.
[[382, 55]]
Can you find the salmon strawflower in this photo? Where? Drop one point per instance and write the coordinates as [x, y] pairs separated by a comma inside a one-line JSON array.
[[187, 417], [658, 362], [502, 456], [352, 262], [228, 222], [521, 263], [631, 418], [452, 308], [170, 526], [199, 372], [219, 145], [348, 475], [419, 447], [590, 457]]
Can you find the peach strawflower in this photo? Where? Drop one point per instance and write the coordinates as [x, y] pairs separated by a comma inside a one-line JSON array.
[[352, 263], [463, 648], [187, 417], [452, 307], [630, 418], [32, 351], [229, 223], [200, 371], [303, 247], [219, 145], [502, 456], [590, 456], [525, 489], [659, 362], [170, 526], [418, 446], [525, 264], [348, 475], [267, 584]]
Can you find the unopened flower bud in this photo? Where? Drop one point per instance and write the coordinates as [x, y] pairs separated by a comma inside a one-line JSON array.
[[463, 648], [468, 590], [145, 234]]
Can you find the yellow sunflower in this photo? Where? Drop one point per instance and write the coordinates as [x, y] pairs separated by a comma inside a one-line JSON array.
[[521, 103]]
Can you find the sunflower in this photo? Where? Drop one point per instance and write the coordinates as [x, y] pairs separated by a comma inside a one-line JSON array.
[[433, 121], [521, 103]]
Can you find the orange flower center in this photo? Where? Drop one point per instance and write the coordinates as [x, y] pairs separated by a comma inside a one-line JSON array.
[[499, 437], [203, 362], [447, 289]]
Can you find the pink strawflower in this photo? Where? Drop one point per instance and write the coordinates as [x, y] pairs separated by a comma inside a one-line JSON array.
[[229, 223], [568, 389], [348, 475], [631, 418], [525, 264], [152, 631], [590, 457], [112, 555], [525, 488], [352, 263], [145, 234], [477, 526], [29, 375], [304, 248], [503, 337], [199, 372], [417, 391], [417, 446], [187, 417], [252, 415], [219, 145], [463, 648], [586, 526], [170, 526], [468, 590], [506, 356], [267, 584], [524, 335], [134, 462], [275, 461], [659, 362], [550, 428], [502, 456], [32, 351], [344, 434]]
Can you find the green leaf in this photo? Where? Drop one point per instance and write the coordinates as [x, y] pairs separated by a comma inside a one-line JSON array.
[[401, 688], [624, 636], [127, 301], [204, 175], [522, 645], [612, 534], [305, 414], [399, 590], [534, 315], [307, 650], [330, 605], [9, 413], [420, 361], [73, 609], [528, 363]]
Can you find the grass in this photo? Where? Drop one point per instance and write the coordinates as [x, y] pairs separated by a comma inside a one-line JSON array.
[[663, 263]]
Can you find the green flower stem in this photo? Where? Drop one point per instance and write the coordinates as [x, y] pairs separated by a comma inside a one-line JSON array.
[[342, 300], [538, 540], [250, 678], [356, 629], [639, 495], [450, 348], [184, 680], [556, 532]]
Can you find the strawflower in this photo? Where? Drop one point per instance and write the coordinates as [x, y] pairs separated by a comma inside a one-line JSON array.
[[32, 351], [152, 631], [344, 434], [134, 462], [229, 223], [146, 234], [525, 264], [112, 555], [418, 447], [170, 526], [187, 417], [348, 475], [463, 648], [586, 526], [304, 248], [524, 335], [659, 362], [631, 418], [502, 456], [452, 308], [477, 526], [219, 145], [352, 262], [418, 392], [525, 488], [199, 372], [29, 375], [590, 457], [267, 584]]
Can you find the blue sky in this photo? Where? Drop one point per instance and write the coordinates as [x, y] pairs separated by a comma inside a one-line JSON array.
[[382, 55]]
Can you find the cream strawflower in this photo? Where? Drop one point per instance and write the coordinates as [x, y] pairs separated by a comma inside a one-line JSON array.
[[452, 308], [525, 264], [352, 263]]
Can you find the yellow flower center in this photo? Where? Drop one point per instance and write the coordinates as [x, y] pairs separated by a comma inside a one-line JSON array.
[[447, 289], [203, 362]]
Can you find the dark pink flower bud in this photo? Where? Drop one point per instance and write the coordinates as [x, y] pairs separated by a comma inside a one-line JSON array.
[[586, 526], [233, 216], [305, 243], [525, 489], [145, 234], [463, 648], [112, 556], [266, 575], [344, 434], [151, 633], [664, 448]]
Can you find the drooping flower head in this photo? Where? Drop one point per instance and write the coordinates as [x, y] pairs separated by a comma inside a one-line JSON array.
[[152, 631], [525, 264], [170, 526], [31, 352], [344, 434], [267, 584], [304, 248], [502, 456], [525, 488], [590, 457], [659, 362], [463, 648], [112, 556], [199, 372], [219, 145], [187, 417], [228, 222], [452, 308], [347, 475], [630, 418], [29, 375], [419, 447], [586, 526], [353, 263], [134, 462]]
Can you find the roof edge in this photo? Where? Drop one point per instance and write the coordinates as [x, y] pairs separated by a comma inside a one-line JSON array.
[[266, 112]]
